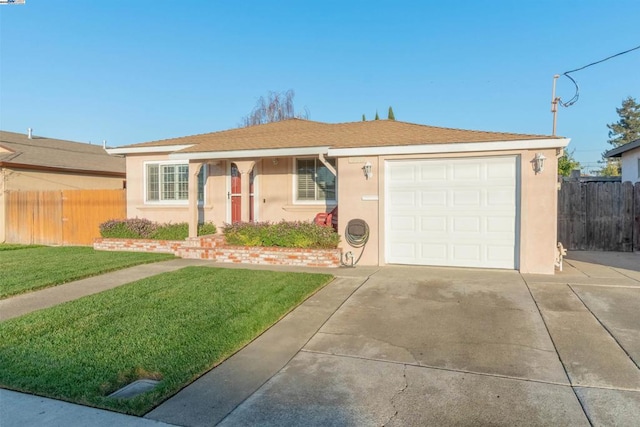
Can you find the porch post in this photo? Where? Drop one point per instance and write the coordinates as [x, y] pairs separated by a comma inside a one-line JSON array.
[[194, 170], [245, 168]]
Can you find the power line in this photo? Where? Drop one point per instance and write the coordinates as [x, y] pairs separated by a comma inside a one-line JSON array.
[[575, 97]]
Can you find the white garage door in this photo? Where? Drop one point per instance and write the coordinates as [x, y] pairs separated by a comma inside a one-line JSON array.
[[451, 212]]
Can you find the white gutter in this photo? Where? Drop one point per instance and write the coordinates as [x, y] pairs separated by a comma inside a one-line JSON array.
[[239, 154], [459, 147], [143, 150]]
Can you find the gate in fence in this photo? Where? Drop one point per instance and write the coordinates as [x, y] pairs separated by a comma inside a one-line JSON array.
[[61, 217], [599, 216]]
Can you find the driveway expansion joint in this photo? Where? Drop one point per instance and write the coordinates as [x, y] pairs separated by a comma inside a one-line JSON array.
[[398, 393], [604, 327]]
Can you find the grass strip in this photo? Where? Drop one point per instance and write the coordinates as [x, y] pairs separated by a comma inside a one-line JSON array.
[[16, 246], [34, 268], [172, 327]]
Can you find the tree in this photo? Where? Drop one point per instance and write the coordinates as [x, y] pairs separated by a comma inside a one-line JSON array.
[[390, 115], [611, 168], [566, 163], [364, 119], [276, 107], [626, 129], [377, 117]]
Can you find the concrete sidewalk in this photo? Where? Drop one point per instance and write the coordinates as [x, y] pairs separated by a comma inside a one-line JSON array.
[[423, 346]]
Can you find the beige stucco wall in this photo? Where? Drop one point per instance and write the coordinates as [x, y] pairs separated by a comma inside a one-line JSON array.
[[36, 180], [359, 198], [273, 193]]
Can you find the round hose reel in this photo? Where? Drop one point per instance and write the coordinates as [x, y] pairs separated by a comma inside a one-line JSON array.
[[356, 234]]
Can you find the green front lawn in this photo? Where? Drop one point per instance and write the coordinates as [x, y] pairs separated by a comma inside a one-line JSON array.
[[29, 268], [173, 327]]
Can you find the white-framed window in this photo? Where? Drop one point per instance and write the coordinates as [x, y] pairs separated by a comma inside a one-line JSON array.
[[168, 182], [314, 182]]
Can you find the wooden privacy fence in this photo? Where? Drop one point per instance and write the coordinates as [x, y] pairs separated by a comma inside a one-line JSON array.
[[61, 217], [599, 216]]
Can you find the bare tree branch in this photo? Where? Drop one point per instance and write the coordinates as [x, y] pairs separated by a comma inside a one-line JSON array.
[[276, 107]]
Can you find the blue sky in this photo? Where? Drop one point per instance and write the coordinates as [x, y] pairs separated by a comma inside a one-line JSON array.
[[137, 71]]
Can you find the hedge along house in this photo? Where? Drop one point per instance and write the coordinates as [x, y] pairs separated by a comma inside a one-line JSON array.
[[430, 195]]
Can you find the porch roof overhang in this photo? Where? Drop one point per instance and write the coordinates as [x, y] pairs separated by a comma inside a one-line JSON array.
[[250, 154]]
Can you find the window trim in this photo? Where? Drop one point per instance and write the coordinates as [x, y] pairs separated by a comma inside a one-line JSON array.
[[294, 186], [161, 202]]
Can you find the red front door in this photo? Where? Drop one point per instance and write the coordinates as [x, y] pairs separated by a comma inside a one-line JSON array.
[[236, 194]]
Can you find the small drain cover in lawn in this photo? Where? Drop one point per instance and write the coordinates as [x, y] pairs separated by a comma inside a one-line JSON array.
[[134, 389]]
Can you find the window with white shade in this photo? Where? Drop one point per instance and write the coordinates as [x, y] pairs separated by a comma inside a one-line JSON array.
[[314, 181], [169, 182]]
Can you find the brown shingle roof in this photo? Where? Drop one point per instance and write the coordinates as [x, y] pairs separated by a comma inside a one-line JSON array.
[[58, 154], [296, 133]]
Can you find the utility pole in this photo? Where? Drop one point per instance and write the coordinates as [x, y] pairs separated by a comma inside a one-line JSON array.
[[554, 104]]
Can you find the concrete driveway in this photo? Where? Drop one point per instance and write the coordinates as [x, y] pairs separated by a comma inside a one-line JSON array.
[[438, 346]]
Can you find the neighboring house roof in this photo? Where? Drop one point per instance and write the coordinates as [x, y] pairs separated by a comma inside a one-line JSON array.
[[300, 134], [617, 152], [19, 151]]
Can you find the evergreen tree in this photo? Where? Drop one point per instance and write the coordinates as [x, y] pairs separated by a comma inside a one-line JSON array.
[[391, 116], [377, 117], [626, 129], [364, 119]]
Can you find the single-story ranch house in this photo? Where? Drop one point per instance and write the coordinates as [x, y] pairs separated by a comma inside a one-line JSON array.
[[430, 195]]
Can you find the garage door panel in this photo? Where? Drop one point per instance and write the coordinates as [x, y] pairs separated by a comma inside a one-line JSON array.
[[466, 198], [403, 223], [467, 252], [406, 251], [436, 252], [501, 197], [468, 224], [433, 224], [466, 171], [501, 224], [433, 173], [501, 170], [403, 198], [462, 212], [433, 198]]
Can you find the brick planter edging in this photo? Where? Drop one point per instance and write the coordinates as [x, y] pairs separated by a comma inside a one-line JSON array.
[[137, 245], [214, 248]]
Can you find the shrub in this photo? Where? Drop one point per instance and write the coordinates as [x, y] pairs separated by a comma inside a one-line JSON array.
[[132, 228], [285, 234], [177, 231], [139, 228]]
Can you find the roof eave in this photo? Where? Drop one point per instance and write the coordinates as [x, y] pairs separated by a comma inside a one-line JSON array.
[[62, 169], [456, 147], [243, 154], [618, 151], [146, 150]]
